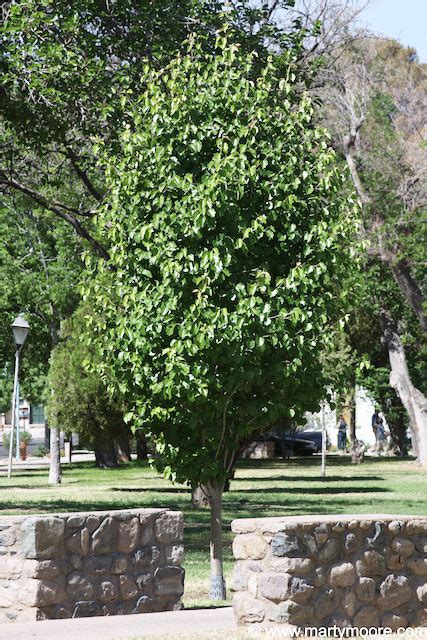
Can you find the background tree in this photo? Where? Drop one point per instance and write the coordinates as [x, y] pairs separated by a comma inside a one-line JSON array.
[[375, 115], [40, 266], [79, 402], [226, 229]]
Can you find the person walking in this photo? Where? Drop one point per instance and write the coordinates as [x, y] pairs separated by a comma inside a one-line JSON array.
[[381, 436], [342, 434], [374, 421]]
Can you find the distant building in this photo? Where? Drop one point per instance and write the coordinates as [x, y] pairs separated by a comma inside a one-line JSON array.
[[30, 415]]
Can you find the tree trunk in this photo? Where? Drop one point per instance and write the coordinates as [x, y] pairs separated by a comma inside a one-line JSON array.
[[55, 457], [200, 497], [141, 445], [122, 448], [105, 455], [46, 436], [412, 399], [410, 290], [217, 577]]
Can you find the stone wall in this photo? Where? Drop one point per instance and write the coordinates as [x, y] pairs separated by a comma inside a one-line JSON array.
[[361, 571], [88, 564]]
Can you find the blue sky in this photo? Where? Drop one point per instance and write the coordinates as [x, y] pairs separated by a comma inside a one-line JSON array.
[[403, 20]]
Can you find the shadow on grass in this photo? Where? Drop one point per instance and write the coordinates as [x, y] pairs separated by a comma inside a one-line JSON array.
[[312, 478], [319, 490]]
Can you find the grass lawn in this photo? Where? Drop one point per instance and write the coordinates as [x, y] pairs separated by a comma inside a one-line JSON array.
[[260, 488]]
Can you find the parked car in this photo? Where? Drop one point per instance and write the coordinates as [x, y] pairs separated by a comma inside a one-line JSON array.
[[286, 445], [316, 437]]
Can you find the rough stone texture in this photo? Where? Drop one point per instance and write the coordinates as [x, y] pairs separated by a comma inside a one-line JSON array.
[[87, 564], [357, 571]]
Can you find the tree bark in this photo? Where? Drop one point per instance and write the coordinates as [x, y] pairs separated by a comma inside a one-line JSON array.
[[105, 455], [412, 398], [55, 457], [200, 497], [410, 290], [141, 445], [218, 591], [122, 448]]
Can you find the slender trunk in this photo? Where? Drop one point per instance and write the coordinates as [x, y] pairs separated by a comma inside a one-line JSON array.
[[412, 398], [217, 576], [55, 457], [46, 436], [141, 445]]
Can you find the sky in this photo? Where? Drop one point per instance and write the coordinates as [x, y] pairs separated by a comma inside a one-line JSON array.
[[403, 20]]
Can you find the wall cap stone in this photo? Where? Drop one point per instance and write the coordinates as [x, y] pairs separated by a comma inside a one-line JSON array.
[[273, 524]]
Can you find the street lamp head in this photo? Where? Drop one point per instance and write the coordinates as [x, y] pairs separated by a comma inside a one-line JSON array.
[[20, 328]]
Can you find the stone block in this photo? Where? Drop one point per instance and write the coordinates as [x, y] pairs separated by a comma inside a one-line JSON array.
[[241, 572], [92, 523], [169, 527], [7, 537], [295, 566], [367, 617], [76, 562], [422, 593], [104, 538], [108, 590], [42, 537], [10, 568], [128, 535], [342, 575], [41, 593], [79, 587], [393, 621], [94, 566], [416, 527], [275, 587], [396, 563], [396, 527], [418, 566], [41, 569], [403, 547], [128, 588], [326, 603], [143, 605], [174, 553], [248, 545], [379, 537], [351, 543], [373, 564], [350, 604], [330, 551], [310, 544], [78, 542], [247, 609], [365, 590], [321, 533], [86, 609], [145, 557], [119, 565], [395, 591], [301, 590], [282, 544], [75, 522], [292, 613], [169, 581], [145, 583], [338, 620]]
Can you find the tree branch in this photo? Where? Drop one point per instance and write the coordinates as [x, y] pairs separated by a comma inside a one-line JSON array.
[[60, 211]]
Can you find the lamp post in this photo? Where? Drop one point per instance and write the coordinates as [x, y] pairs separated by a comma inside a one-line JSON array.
[[20, 328]]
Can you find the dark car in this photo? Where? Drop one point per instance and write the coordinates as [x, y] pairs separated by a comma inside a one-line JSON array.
[[287, 444], [314, 436]]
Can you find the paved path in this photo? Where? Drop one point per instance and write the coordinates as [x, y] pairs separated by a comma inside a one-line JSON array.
[[171, 623]]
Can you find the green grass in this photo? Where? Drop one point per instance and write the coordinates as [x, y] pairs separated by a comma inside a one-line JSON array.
[[260, 488]]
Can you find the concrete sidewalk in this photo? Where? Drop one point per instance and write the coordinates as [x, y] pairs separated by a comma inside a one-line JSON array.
[[171, 623]]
